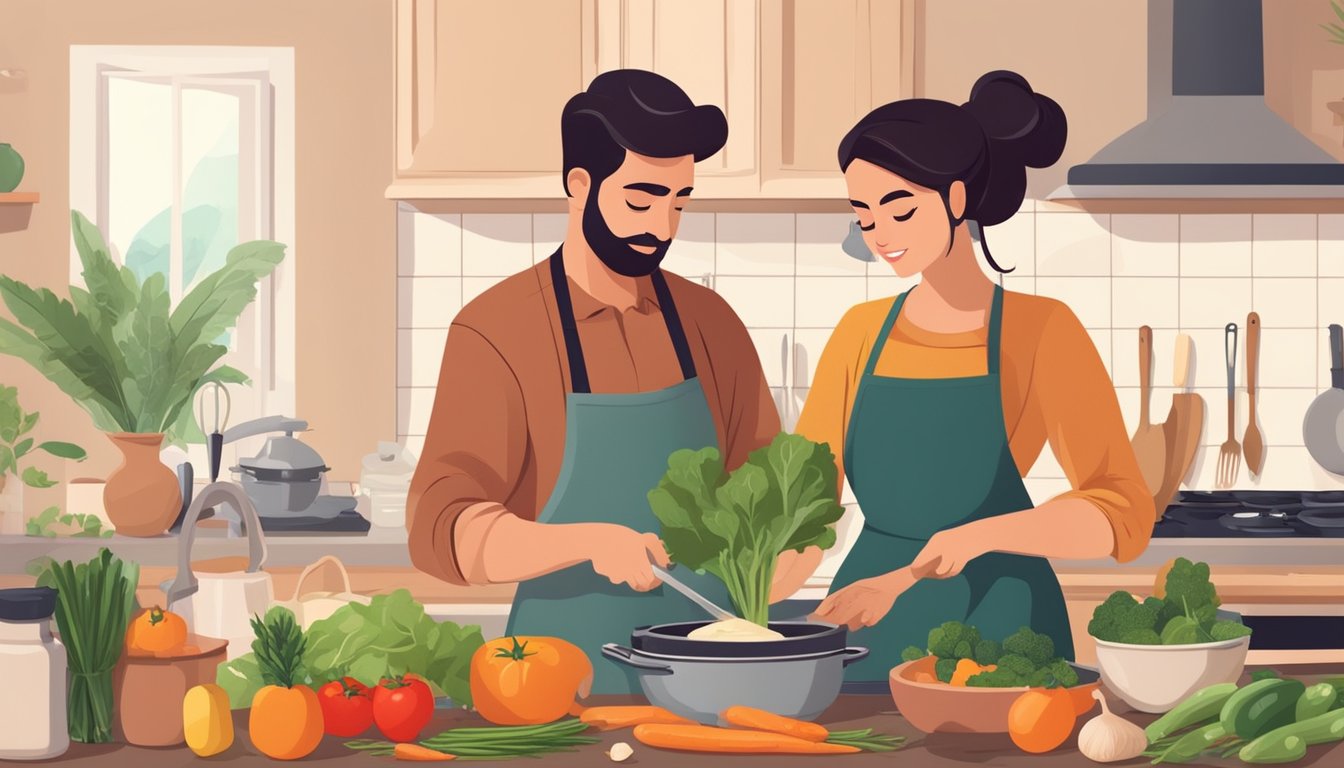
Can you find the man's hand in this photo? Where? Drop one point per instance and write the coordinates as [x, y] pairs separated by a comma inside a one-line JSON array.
[[865, 603], [625, 556], [948, 552]]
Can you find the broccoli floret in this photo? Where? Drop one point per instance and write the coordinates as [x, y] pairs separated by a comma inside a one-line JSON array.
[[1019, 665], [953, 640], [1189, 592], [944, 669], [1121, 615], [1037, 648], [1228, 630], [1063, 673], [988, 652], [1140, 637], [912, 653], [999, 678]]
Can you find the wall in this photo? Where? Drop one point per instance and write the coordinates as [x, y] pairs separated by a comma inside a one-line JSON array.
[[344, 110], [785, 274]]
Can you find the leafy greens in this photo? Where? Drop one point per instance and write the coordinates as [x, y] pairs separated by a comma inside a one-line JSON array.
[[734, 524]]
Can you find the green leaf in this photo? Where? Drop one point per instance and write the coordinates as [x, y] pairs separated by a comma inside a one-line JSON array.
[[8, 464], [63, 450], [113, 289], [182, 427], [213, 306], [11, 415], [146, 342], [240, 679], [36, 478], [29, 421], [1337, 9], [23, 448]]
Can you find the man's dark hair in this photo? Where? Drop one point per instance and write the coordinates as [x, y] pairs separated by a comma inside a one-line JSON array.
[[640, 111]]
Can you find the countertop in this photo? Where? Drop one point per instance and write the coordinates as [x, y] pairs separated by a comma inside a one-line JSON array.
[[849, 712]]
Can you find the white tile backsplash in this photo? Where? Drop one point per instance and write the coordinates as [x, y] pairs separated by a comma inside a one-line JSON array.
[[773, 347], [785, 273]]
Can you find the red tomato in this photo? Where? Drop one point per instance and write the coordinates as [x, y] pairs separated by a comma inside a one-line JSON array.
[[347, 707], [402, 707]]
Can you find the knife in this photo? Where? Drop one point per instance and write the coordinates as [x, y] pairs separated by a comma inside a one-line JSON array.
[[692, 595]]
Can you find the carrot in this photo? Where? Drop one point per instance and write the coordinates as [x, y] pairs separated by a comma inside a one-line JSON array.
[[576, 709], [760, 720], [611, 718], [418, 754], [706, 738]]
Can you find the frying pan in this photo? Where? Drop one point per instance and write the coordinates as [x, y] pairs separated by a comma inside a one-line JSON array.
[[1323, 428]]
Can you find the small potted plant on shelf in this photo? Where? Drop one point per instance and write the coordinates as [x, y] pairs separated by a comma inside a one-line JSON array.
[[16, 443], [132, 361]]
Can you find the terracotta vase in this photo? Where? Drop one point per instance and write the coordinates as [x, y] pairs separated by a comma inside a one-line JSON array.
[[141, 497]]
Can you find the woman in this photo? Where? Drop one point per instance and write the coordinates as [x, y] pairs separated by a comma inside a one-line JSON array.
[[943, 397]]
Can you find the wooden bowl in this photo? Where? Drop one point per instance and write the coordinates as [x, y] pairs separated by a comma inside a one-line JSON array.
[[935, 707], [148, 689]]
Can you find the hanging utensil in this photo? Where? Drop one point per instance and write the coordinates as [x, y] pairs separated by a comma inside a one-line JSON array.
[[1323, 428], [1229, 456], [213, 391], [1184, 427], [1149, 440], [1253, 444]]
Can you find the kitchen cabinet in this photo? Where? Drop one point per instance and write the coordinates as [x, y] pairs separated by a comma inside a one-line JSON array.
[[480, 86]]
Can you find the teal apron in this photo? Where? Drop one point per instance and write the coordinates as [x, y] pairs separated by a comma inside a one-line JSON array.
[[925, 455], [616, 449]]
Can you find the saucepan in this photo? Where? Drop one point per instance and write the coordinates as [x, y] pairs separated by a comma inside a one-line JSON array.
[[798, 676]]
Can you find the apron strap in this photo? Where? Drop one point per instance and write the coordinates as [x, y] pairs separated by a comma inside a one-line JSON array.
[[992, 348], [578, 370]]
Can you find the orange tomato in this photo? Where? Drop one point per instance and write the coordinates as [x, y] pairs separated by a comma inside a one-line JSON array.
[[528, 680], [285, 723], [156, 631], [1041, 719], [1081, 695]]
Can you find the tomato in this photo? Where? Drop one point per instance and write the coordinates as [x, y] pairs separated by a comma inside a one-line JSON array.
[[155, 631], [347, 707], [402, 707], [528, 680]]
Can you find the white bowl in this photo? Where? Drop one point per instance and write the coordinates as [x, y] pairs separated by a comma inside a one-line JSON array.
[[1155, 678]]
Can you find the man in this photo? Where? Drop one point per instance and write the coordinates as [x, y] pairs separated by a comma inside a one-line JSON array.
[[565, 388]]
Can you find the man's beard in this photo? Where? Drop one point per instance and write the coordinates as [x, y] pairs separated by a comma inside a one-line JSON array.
[[616, 252]]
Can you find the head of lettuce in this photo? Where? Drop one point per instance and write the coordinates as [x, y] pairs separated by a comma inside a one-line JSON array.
[[734, 524]]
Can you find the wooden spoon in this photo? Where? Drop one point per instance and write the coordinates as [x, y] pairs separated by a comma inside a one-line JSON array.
[[1149, 441], [1253, 444]]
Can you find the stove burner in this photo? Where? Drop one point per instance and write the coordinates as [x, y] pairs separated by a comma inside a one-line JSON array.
[[1253, 513]]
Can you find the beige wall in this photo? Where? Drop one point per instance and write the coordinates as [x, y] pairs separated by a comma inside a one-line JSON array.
[[346, 260]]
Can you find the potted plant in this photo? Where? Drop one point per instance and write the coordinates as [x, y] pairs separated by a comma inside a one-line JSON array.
[[16, 426], [132, 361]]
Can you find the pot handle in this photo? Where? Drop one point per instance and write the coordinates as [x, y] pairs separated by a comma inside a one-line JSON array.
[[853, 654], [622, 655]]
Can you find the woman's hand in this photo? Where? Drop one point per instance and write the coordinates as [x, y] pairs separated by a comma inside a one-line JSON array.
[[948, 552], [866, 602]]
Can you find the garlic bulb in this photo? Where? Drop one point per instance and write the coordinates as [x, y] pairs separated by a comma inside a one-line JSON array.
[[1109, 738], [620, 752]]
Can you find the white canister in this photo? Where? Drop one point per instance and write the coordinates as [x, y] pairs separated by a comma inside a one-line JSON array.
[[385, 481], [33, 725]]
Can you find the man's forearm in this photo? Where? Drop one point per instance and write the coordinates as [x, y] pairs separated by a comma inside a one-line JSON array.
[[1068, 529], [517, 550]]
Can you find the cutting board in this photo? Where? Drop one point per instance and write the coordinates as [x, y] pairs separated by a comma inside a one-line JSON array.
[[1149, 439], [1183, 428]]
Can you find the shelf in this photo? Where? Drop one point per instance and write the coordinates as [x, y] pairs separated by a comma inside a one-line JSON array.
[[19, 198]]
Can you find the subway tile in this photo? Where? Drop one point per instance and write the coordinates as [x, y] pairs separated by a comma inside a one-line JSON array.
[[822, 301], [1285, 302], [1145, 245], [691, 254], [419, 354], [1215, 413], [818, 246], [1046, 466], [1204, 474], [1284, 245], [496, 244], [1331, 294], [1213, 302], [1043, 489], [1321, 480], [428, 302], [890, 284], [1293, 467], [414, 405], [1280, 413], [1209, 366], [548, 232], [779, 396], [1102, 339], [1072, 244], [809, 343], [1151, 301], [1013, 244], [415, 444], [1088, 297], [1130, 399], [1216, 245], [1330, 245], [755, 244], [772, 350], [761, 302], [429, 244], [472, 287], [1287, 357], [1126, 367], [1323, 361], [1026, 284]]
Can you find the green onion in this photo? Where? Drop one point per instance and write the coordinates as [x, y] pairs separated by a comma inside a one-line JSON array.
[[94, 602], [495, 742], [866, 740]]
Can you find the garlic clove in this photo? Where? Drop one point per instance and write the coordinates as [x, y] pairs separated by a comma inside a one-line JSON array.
[[1108, 738], [620, 752]]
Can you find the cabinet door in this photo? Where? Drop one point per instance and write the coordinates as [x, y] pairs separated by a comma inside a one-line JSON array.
[[708, 47], [480, 87], [824, 65]]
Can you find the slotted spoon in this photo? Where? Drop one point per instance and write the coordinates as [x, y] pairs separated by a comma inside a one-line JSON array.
[[1229, 456]]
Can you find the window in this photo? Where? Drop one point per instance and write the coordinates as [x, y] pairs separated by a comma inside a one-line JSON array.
[[180, 153]]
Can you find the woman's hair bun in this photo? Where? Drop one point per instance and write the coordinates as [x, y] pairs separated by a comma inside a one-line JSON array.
[[1016, 118]]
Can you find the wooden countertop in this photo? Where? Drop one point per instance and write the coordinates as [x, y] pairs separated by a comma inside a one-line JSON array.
[[849, 712]]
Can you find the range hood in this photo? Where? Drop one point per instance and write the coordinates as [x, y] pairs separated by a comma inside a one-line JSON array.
[[1211, 137]]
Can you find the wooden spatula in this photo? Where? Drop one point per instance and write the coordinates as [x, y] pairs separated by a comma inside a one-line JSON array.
[[1253, 443], [1183, 428], [1149, 441]]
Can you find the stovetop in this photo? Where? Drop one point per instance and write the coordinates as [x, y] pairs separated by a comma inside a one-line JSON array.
[[1253, 514]]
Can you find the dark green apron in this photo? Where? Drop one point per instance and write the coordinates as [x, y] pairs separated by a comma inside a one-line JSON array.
[[616, 449], [924, 455]]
